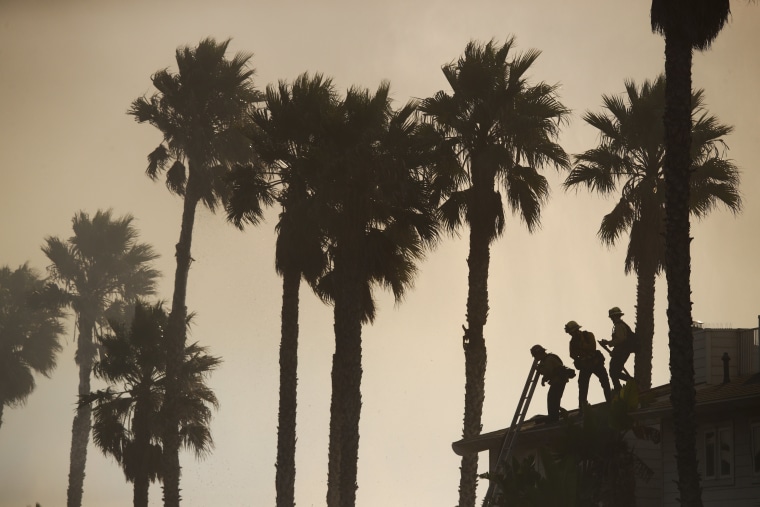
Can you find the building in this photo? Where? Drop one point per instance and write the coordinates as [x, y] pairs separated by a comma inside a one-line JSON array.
[[727, 384]]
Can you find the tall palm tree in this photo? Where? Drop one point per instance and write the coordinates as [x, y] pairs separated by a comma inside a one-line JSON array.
[[373, 201], [629, 159], [284, 135], [128, 414], [29, 333], [501, 130], [686, 25], [97, 269], [200, 111]]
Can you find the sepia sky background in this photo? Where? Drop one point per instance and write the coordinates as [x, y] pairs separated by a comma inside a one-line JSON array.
[[70, 70]]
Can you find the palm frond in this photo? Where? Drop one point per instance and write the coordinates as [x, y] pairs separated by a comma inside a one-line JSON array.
[[616, 222], [157, 160], [713, 182], [251, 191], [527, 191], [454, 210], [176, 178]]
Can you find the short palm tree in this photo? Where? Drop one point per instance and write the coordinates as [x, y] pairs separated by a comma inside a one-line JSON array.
[[373, 203], [500, 131], [607, 464], [201, 112], [629, 160], [96, 270], [128, 414], [284, 134], [587, 464], [686, 25], [29, 333]]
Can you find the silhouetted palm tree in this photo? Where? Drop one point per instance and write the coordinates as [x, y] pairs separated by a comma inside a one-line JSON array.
[[629, 159], [129, 413], [284, 134], [200, 111], [29, 332], [373, 201], [501, 130], [686, 25], [97, 269]]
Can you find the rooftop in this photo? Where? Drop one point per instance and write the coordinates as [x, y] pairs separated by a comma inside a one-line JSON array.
[[741, 391]]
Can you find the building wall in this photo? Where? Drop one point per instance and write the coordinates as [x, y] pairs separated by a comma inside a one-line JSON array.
[[742, 489], [749, 351], [709, 347], [701, 343], [648, 493]]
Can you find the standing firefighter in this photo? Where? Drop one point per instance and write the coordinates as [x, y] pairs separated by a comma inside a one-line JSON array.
[[553, 371], [587, 360], [623, 343]]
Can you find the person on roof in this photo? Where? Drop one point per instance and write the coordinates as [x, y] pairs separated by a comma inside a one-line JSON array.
[[551, 369], [587, 360], [623, 344]]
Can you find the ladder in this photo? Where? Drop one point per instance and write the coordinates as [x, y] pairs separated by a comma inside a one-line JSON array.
[[510, 436]]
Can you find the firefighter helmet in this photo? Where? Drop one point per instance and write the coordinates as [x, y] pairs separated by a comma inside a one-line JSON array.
[[615, 311], [536, 349]]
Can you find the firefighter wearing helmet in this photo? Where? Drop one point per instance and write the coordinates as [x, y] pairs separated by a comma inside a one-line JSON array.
[[623, 343], [551, 369], [587, 360]]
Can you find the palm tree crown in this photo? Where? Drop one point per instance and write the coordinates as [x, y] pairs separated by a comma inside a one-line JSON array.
[[630, 157], [630, 160], [374, 195], [501, 129], [698, 22], [101, 265], [29, 332], [200, 111]]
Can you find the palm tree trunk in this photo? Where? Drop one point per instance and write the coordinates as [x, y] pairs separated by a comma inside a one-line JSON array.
[[345, 406], [140, 490], [80, 429], [645, 292], [176, 336], [336, 436], [142, 453], [678, 55], [286, 431], [474, 354]]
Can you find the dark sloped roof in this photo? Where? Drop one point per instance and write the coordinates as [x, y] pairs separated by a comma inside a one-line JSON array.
[[740, 392], [709, 396]]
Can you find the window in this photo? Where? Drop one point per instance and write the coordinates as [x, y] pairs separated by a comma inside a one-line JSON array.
[[756, 449], [719, 452]]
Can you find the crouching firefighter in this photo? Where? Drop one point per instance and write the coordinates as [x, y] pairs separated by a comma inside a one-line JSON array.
[[552, 370]]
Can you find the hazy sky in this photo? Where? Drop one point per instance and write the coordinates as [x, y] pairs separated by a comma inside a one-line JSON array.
[[69, 72]]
